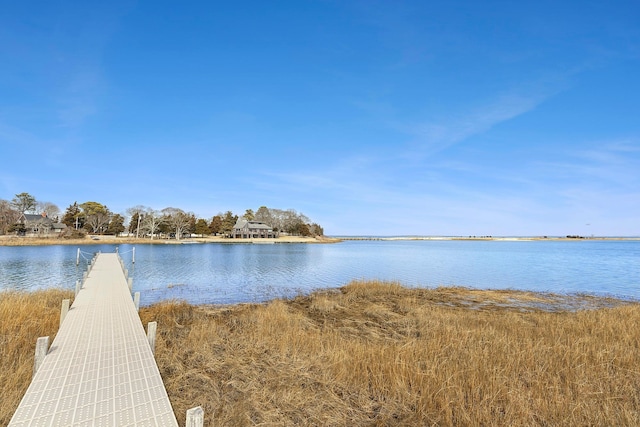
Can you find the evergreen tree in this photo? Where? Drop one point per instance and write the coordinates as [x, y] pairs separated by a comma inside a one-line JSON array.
[[116, 225], [202, 227], [249, 215], [73, 217], [24, 202], [133, 224], [228, 222], [96, 215], [215, 226]]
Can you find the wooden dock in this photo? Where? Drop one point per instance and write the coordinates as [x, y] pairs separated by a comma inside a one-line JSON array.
[[100, 369]]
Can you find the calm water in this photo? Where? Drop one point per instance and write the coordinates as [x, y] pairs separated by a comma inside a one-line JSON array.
[[230, 273]]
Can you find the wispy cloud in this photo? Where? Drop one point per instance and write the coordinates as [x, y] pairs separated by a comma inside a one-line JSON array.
[[435, 135], [596, 185], [612, 165]]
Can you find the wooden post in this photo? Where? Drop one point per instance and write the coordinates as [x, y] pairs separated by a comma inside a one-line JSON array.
[[84, 277], [63, 311], [130, 282], [78, 257], [133, 257], [126, 273], [151, 335], [77, 287], [42, 347], [136, 300], [195, 417]]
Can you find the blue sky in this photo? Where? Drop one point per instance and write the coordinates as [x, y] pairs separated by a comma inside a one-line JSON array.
[[370, 117]]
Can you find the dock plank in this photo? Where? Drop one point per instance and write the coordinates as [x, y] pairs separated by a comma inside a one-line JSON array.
[[100, 370]]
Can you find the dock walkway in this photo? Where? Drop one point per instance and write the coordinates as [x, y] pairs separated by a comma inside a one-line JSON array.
[[100, 369]]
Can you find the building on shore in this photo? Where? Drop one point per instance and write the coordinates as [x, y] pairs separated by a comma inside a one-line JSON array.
[[245, 229], [38, 225]]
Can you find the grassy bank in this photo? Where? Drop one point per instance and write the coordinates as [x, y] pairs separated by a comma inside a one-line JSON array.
[[23, 318], [377, 354], [112, 240]]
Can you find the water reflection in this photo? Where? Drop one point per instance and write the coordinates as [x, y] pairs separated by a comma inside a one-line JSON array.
[[219, 273], [229, 273]]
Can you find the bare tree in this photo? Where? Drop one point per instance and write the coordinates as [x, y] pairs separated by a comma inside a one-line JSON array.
[[50, 209], [277, 219], [178, 220], [263, 214], [151, 222], [289, 221], [135, 214], [8, 216]]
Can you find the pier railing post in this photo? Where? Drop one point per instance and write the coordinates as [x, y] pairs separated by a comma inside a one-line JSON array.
[[42, 347], [130, 283], [136, 300], [133, 257], [78, 286], [63, 311], [195, 417], [151, 335], [78, 257]]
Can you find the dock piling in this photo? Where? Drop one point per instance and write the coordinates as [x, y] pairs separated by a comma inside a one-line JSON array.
[[195, 417], [42, 347], [78, 286], [151, 335], [136, 300], [63, 311]]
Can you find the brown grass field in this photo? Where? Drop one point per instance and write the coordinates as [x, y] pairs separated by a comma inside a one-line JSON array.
[[376, 354]]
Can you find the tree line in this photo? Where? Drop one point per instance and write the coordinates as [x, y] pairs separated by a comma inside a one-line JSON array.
[[96, 218]]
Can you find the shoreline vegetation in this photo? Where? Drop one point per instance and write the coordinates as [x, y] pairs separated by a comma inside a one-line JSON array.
[[109, 239], [113, 240], [375, 353]]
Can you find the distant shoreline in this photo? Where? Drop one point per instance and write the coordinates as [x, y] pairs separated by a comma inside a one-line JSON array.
[[112, 240]]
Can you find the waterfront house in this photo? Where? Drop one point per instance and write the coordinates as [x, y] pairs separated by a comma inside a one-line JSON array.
[[245, 229], [40, 224]]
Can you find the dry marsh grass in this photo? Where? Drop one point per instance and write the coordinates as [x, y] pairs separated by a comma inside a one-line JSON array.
[[23, 318], [374, 353]]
